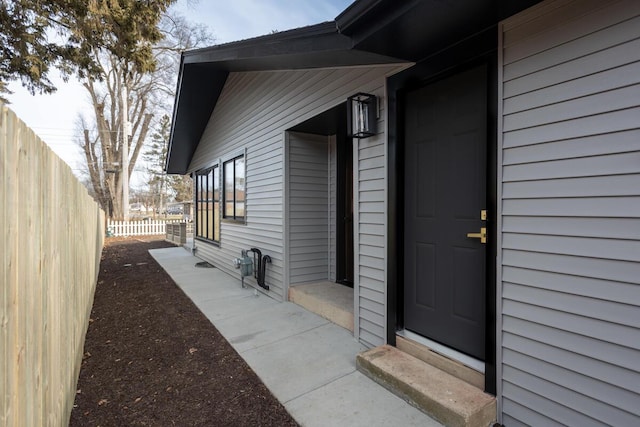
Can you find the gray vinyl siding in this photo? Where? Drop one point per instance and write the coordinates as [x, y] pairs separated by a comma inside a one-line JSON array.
[[333, 208], [370, 194], [569, 239], [254, 111], [308, 208]]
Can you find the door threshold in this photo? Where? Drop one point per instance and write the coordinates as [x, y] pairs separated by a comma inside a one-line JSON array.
[[469, 361]]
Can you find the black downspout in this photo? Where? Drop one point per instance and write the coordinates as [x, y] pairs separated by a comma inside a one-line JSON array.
[[260, 262]]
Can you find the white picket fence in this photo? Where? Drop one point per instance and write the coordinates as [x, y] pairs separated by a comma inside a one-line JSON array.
[[138, 228]]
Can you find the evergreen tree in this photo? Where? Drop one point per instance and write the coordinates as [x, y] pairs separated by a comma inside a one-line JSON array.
[[163, 187], [114, 47], [155, 157], [36, 36], [182, 187]]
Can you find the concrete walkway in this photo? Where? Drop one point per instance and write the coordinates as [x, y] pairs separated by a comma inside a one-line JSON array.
[[307, 362]]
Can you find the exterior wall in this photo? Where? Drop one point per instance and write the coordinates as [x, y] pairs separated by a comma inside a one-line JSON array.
[[253, 112], [569, 202], [333, 208], [370, 220], [308, 208]]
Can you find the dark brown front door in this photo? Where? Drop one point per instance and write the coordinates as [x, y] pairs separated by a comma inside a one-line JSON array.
[[445, 191]]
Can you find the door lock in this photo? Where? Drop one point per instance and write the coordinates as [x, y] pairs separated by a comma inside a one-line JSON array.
[[482, 235]]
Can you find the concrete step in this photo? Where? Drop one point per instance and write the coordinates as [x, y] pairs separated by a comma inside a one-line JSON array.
[[330, 300], [448, 399], [433, 358]]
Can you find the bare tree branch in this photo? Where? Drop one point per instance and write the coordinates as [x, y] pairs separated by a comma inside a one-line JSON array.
[[149, 95]]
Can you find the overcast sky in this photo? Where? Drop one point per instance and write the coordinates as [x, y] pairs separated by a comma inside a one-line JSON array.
[[53, 117]]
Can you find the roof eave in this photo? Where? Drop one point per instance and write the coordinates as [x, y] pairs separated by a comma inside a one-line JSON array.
[[203, 73], [354, 13]]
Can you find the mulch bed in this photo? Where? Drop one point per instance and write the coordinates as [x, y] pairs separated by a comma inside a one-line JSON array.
[[151, 358]]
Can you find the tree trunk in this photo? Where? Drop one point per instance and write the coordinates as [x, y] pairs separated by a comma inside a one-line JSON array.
[[105, 168]]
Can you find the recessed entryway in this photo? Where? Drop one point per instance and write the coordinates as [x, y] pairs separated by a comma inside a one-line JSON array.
[[319, 216]]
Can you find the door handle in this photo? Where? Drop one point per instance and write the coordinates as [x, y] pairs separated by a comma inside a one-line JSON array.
[[482, 235]]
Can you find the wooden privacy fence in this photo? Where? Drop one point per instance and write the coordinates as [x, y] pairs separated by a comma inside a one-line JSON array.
[[139, 228], [52, 234]]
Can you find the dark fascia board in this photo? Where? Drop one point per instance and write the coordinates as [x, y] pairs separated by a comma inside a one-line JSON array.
[[233, 49], [198, 88], [307, 47], [354, 13], [167, 163], [366, 17], [203, 73]]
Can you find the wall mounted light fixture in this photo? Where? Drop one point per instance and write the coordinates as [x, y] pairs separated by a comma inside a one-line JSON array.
[[361, 115]]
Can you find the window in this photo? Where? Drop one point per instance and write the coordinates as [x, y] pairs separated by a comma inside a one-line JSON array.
[[234, 188], [208, 204]]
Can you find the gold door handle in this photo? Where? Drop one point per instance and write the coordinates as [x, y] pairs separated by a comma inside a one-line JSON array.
[[482, 235]]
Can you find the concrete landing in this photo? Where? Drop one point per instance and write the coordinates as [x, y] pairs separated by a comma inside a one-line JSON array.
[[332, 301], [444, 397]]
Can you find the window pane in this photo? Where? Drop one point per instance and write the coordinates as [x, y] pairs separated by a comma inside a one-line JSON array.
[[239, 209], [202, 221], [216, 205], [200, 215], [209, 231], [228, 189], [239, 187], [210, 185], [240, 173], [216, 184], [197, 182], [216, 221], [228, 209]]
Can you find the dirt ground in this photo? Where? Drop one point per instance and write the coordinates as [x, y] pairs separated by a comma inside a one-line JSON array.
[[151, 358]]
